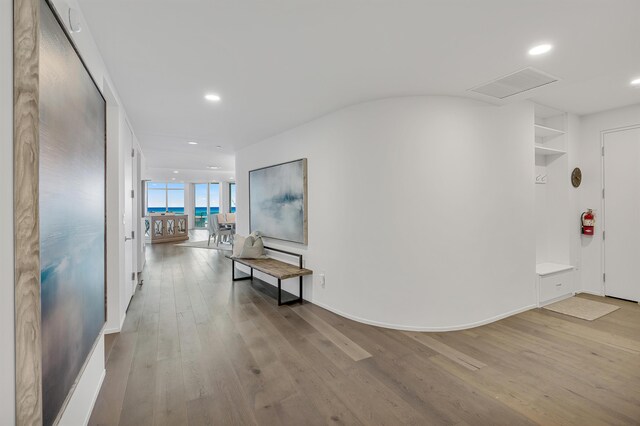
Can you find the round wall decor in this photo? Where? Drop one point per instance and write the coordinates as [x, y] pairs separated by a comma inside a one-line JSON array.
[[576, 177]]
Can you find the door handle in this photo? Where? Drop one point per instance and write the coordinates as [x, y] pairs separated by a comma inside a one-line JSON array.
[[127, 239]]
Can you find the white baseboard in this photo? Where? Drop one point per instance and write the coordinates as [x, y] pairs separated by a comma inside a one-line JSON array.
[[124, 316], [557, 299], [95, 397], [116, 329], [595, 293], [430, 329], [84, 394]]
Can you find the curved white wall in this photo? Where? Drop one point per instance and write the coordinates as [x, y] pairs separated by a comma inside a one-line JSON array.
[[420, 209]]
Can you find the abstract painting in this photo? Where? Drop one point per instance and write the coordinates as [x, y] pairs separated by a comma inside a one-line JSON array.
[[72, 214], [278, 201]]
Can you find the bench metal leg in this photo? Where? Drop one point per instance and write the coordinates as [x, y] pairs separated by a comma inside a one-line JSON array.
[[279, 292], [288, 302], [301, 290], [233, 273]]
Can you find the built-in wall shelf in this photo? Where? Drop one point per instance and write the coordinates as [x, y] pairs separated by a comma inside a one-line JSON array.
[[553, 210], [543, 150], [547, 132], [549, 268]]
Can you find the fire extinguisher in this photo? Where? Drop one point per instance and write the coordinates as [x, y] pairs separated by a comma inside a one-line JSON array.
[[588, 220]]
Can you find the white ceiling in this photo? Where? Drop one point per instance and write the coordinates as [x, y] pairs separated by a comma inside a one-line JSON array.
[[280, 63]]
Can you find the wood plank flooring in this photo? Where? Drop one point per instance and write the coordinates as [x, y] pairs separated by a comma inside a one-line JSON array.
[[197, 350]]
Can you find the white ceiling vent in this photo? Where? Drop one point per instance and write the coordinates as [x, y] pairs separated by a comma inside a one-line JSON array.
[[517, 82]]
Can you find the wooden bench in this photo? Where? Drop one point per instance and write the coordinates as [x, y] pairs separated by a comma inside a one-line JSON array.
[[275, 268]]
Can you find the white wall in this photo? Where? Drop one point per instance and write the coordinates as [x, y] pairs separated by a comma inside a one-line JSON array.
[[140, 240], [115, 258], [420, 209], [224, 196], [189, 203], [591, 129], [7, 347]]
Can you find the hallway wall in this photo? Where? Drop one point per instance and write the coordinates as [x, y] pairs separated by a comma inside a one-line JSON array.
[[7, 347], [420, 209], [591, 128]]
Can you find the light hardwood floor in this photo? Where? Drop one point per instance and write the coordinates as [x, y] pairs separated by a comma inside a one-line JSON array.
[[197, 350]]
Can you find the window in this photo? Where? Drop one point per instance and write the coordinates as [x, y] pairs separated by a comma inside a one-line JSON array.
[[207, 201], [214, 198], [232, 198], [165, 197]]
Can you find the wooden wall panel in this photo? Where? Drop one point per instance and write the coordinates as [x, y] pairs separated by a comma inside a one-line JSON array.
[[26, 215]]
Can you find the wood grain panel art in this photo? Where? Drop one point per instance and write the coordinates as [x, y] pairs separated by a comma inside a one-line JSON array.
[[26, 18]]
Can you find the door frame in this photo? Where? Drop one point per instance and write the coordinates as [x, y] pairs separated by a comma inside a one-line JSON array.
[[603, 202]]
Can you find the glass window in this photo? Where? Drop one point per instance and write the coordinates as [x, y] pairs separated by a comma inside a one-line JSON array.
[[156, 200], [165, 197], [175, 201], [214, 198], [232, 198], [201, 201], [156, 185], [207, 201]]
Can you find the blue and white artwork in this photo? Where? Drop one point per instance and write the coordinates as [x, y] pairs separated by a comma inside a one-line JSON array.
[[72, 214], [278, 201]]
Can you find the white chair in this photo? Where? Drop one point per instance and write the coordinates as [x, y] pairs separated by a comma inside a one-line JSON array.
[[216, 231]]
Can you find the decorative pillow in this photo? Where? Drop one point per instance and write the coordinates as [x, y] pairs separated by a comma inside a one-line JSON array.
[[250, 247], [238, 245]]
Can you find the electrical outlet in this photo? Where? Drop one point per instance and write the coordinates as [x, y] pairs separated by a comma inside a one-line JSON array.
[[322, 280]]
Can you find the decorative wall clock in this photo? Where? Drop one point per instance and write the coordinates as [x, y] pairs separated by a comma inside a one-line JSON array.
[[576, 177]]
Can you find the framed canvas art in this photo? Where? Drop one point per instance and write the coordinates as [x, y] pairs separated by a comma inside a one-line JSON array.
[[72, 213], [278, 201]]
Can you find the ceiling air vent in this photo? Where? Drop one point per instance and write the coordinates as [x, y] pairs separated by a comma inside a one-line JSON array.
[[517, 82]]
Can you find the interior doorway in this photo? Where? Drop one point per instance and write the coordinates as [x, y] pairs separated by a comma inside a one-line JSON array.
[[621, 200]]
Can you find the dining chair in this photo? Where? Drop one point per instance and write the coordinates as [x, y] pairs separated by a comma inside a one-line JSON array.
[[216, 230]]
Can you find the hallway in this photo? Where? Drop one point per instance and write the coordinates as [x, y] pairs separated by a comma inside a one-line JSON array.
[[197, 350]]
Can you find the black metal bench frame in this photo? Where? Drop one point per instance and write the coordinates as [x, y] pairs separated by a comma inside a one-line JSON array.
[[250, 277]]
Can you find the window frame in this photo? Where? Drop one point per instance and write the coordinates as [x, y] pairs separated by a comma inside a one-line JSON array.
[[230, 185]]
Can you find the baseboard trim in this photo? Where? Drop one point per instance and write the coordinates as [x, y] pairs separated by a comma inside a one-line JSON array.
[[428, 329], [556, 299], [95, 396], [124, 316], [595, 293]]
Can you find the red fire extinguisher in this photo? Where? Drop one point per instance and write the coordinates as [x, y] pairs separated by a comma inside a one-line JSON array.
[[588, 220]]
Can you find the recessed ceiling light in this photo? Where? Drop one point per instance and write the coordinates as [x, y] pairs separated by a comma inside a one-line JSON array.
[[192, 143], [173, 178], [635, 82], [175, 171], [219, 146], [231, 178], [213, 167], [540, 49], [213, 97]]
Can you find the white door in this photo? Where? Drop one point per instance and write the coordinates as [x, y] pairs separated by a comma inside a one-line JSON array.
[[128, 217], [622, 213]]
